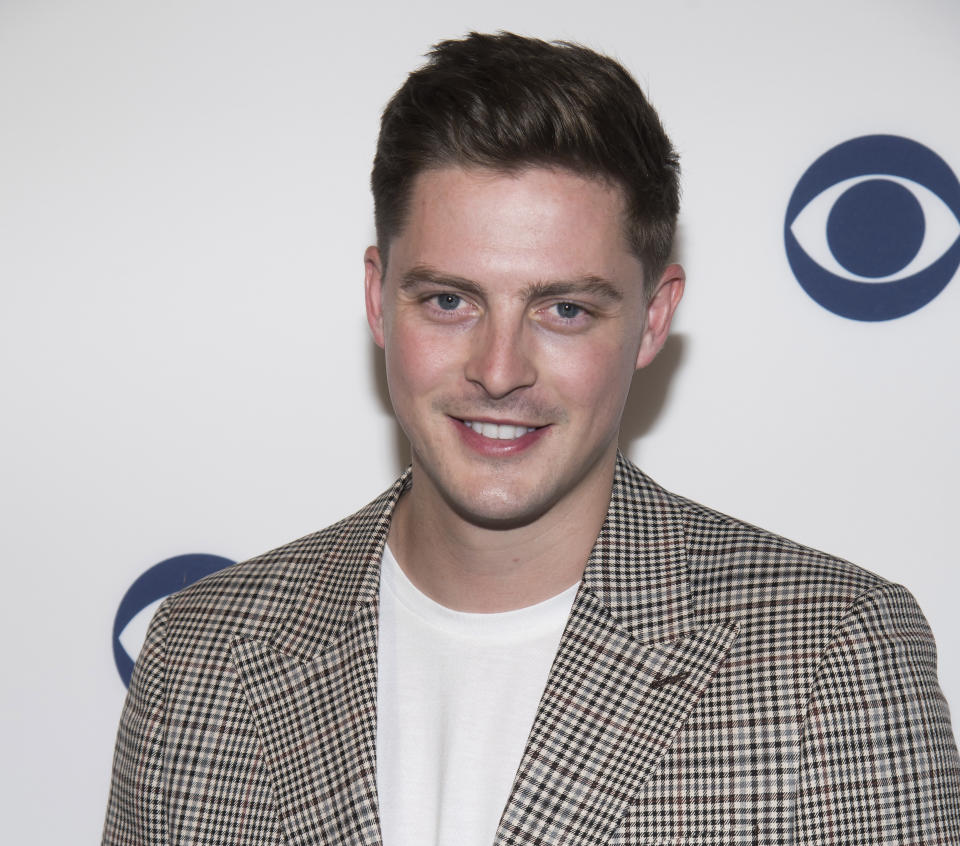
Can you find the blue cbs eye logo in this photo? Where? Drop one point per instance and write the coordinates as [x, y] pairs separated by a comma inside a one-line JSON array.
[[872, 229], [142, 598]]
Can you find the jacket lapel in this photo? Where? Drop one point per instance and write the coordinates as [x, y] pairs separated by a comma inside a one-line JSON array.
[[311, 689], [631, 666]]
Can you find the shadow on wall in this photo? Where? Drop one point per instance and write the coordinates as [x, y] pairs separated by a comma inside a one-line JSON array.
[[650, 390], [647, 399]]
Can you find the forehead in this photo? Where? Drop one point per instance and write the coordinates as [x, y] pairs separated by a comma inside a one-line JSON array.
[[527, 225]]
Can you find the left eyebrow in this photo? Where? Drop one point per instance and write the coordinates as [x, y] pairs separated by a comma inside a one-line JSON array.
[[424, 276], [594, 285]]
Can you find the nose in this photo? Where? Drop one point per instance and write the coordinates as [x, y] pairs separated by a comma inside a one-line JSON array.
[[500, 360]]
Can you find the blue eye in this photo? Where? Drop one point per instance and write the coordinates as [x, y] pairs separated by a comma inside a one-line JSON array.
[[872, 231], [568, 310], [448, 302]]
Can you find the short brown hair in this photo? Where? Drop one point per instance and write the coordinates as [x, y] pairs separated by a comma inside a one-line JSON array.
[[506, 102]]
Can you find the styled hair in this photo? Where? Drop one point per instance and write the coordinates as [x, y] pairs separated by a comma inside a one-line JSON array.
[[508, 102]]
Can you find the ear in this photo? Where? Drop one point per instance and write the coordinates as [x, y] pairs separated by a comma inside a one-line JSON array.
[[373, 287], [660, 308]]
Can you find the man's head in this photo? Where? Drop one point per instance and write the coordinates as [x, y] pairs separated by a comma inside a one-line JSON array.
[[527, 196], [505, 102]]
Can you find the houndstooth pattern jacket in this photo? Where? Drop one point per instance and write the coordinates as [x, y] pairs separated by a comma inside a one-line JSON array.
[[715, 685]]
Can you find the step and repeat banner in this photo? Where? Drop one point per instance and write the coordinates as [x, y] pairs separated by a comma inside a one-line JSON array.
[[187, 375]]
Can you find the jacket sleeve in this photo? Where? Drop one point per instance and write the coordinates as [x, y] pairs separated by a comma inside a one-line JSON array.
[[878, 761], [136, 809]]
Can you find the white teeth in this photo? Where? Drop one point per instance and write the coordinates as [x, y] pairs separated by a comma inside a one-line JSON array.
[[496, 431]]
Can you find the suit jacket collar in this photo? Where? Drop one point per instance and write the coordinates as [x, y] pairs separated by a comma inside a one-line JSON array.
[[344, 578], [631, 665], [637, 567]]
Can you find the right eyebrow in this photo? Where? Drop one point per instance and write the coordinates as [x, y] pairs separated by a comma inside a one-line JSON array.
[[421, 276], [593, 285]]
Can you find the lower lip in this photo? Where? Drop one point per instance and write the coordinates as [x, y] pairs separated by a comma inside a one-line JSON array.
[[495, 446]]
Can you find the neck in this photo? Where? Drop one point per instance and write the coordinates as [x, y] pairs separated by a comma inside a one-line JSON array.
[[470, 567]]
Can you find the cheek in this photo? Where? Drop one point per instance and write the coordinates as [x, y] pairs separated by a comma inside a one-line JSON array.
[[596, 375], [416, 361]]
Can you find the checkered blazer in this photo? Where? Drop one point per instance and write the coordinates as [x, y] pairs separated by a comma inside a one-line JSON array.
[[715, 685]]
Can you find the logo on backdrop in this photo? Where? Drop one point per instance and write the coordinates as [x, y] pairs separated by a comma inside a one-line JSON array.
[[146, 593], [872, 229]]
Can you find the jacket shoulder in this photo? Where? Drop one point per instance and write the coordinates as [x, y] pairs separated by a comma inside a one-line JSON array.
[[715, 539], [738, 569], [255, 597]]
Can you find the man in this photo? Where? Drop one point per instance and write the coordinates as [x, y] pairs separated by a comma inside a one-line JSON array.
[[525, 640]]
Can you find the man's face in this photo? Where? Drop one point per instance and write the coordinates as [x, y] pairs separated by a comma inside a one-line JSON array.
[[513, 316]]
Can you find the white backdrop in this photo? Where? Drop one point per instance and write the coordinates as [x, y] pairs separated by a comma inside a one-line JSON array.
[[185, 362]]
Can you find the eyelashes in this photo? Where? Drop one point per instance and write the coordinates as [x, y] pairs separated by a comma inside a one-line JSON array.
[[448, 303]]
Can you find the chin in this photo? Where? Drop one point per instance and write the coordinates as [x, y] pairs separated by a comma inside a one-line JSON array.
[[497, 508]]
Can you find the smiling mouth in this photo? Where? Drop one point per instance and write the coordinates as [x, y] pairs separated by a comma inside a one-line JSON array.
[[499, 431]]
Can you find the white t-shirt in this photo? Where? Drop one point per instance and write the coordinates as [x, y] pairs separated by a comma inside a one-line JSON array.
[[456, 696]]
